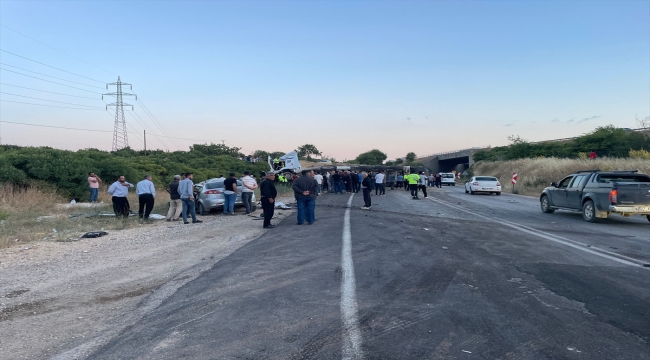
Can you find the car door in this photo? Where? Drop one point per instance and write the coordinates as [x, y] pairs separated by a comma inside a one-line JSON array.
[[574, 192], [558, 194]]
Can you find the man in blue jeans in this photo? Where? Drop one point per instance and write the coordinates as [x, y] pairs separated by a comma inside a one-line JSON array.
[[186, 190], [230, 194], [305, 189]]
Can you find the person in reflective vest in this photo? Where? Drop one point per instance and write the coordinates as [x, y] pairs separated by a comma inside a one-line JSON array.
[[413, 184], [276, 163]]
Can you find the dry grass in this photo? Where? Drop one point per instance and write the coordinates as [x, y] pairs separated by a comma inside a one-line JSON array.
[[536, 174], [20, 210]]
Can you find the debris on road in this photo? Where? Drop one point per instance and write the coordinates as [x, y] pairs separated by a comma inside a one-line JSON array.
[[465, 351], [445, 248], [94, 234]]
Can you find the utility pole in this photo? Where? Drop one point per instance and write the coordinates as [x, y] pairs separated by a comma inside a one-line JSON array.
[[120, 139], [145, 142]]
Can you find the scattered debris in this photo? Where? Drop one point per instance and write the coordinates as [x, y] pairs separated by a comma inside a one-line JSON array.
[[465, 351], [281, 205], [94, 234], [515, 280], [85, 251], [445, 248], [26, 248], [426, 229], [157, 217], [54, 231]]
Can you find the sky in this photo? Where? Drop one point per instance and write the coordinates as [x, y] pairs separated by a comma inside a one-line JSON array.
[[345, 76]]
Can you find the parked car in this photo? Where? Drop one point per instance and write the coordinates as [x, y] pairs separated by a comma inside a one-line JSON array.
[[209, 196], [486, 184], [597, 194], [448, 179]]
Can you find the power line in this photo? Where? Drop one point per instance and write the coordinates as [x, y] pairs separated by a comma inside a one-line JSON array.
[[50, 66], [52, 126], [155, 121], [82, 129], [144, 125], [53, 82], [63, 107], [76, 58], [60, 102], [74, 82], [51, 92]]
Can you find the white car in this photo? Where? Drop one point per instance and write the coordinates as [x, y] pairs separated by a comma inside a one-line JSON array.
[[487, 184], [448, 179]]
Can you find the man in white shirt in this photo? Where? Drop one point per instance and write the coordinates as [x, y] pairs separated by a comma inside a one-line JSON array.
[[247, 191], [379, 184], [146, 192], [119, 190], [319, 179]]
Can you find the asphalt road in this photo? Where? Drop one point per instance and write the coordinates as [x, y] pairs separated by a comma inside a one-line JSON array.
[[450, 277]]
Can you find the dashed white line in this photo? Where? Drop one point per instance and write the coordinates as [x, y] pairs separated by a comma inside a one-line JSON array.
[[349, 317]]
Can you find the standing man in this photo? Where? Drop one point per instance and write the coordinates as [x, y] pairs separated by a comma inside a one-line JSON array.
[[186, 190], [247, 191], [400, 180], [319, 180], [230, 194], [360, 178], [423, 184], [306, 190], [365, 187], [413, 180], [146, 194], [391, 180], [379, 184], [354, 179], [267, 197], [175, 203], [337, 180], [93, 186], [119, 190]]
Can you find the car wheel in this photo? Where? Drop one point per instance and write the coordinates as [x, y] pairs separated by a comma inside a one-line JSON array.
[[202, 210], [466, 191], [471, 191], [498, 193], [545, 205], [453, 184], [589, 211], [648, 217]]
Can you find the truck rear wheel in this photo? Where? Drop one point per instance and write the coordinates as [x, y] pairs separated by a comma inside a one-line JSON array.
[[589, 211], [648, 217]]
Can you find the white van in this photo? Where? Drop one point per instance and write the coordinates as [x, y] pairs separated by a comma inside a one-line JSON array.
[[448, 179]]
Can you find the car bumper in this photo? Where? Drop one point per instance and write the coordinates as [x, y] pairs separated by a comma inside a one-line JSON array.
[[485, 189], [630, 209]]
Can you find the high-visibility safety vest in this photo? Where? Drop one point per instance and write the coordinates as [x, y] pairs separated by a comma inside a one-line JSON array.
[[282, 178], [413, 179], [276, 161]]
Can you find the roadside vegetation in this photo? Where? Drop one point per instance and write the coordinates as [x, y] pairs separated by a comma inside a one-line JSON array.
[[538, 173]]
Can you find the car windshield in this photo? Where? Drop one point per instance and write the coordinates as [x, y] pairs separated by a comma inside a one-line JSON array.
[[448, 176], [608, 178], [486, 178]]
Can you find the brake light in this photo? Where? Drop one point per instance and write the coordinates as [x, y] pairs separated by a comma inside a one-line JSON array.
[[613, 196], [498, 183], [212, 192], [475, 183]]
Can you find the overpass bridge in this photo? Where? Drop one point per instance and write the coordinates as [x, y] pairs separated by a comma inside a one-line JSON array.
[[459, 160]]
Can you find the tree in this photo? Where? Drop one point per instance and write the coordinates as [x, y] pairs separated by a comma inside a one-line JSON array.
[[410, 157], [372, 157], [643, 123], [216, 149], [307, 150]]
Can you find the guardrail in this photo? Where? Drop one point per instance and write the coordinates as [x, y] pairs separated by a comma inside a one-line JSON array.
[[451, 152]]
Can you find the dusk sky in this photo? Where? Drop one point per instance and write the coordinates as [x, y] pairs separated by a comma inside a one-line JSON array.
[[346, 76]]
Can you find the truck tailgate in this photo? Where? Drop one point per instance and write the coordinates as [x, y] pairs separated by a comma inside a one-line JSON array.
[[633, 193]]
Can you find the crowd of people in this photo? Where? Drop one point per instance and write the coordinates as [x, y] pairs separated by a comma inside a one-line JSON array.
[[306, 188]]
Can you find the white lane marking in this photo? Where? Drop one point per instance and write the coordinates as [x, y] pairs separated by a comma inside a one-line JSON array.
[[349, 316], [558, 239]]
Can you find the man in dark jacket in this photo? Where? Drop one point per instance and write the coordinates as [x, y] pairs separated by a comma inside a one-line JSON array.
[[306, 190], [354, 179], [366, 183], [175, 204], [268, 194]]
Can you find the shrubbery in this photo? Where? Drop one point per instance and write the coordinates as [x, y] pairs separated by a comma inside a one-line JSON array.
[[68, 170], [606, 141]]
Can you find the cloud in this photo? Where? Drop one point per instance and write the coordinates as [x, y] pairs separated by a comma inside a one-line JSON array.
[[555, 120], [571, 120], [589, 118], [509, 125]]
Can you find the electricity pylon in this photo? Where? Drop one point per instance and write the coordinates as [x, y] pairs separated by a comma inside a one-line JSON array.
[[120, 138]]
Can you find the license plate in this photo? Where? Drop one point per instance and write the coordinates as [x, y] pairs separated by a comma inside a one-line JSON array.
[[488, 189], [643, 208]]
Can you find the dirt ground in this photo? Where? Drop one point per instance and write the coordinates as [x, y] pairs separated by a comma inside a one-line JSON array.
[[63, 299]]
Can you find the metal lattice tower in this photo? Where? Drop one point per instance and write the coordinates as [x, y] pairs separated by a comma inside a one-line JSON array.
[[120, 138]]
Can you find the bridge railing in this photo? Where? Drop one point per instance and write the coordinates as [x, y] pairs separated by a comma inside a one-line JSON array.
[[451, 152]]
